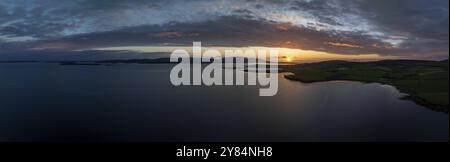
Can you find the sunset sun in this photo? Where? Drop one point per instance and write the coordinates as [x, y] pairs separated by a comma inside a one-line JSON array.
[[288, 59]]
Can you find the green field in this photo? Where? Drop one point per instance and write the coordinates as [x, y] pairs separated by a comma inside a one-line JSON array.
[[425, 82]]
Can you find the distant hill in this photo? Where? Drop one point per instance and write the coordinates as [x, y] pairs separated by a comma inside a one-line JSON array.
[[141, 61]]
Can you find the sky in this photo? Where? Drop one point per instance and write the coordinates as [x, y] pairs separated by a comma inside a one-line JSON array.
[[407, 29]]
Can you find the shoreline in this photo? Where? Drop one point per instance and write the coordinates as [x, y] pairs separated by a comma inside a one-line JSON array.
[[424, 82], [408, 96]]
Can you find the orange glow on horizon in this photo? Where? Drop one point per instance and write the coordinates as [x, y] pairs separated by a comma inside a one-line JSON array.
[[288, 59]]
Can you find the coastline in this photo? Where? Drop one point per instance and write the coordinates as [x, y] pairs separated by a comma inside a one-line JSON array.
[[421, 81]]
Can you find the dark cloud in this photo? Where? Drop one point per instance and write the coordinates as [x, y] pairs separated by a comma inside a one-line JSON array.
[[427, 19], [385, 27], [36, 22], [325, 11], [228, 31], [421, 25]]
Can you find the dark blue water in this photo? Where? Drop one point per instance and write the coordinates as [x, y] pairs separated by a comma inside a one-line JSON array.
[[128, 102]]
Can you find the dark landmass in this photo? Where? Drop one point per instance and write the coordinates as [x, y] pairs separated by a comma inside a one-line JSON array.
[[137, 61], [122, 61], [78, 63], [425, 82], [18, 62], [160, 61], [102, 62]]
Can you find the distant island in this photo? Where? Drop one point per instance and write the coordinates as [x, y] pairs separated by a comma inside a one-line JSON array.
[[425, 82], [126, 61], [119, 61]]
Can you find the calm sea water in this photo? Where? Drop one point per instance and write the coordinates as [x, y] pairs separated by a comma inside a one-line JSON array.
[[130, 102]]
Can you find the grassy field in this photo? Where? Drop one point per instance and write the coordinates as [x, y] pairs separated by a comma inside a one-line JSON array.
[[425, 82]]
